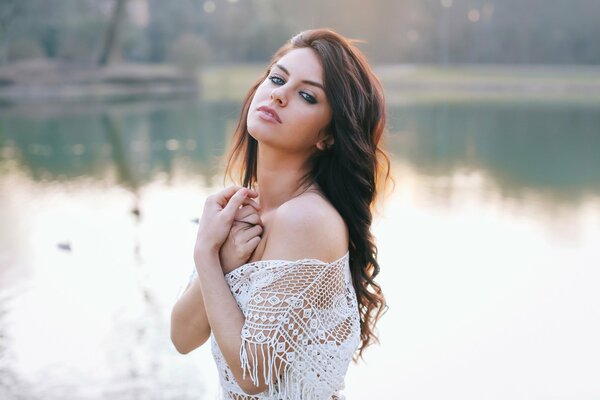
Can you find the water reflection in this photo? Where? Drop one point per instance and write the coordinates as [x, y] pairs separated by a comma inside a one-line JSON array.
[[549, 149], [489, 248], [140, 143]]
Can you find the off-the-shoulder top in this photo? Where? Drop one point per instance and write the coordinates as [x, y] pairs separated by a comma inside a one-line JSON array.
[[302, 316]]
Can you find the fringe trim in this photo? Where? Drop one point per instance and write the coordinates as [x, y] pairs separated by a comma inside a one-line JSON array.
[[284, 386]]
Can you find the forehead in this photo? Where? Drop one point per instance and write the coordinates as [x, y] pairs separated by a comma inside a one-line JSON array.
[[303, 62]]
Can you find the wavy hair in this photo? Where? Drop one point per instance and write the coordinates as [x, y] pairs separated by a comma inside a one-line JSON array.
[[353, 170]]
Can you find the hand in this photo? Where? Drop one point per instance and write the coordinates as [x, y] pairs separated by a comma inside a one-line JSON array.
[[217, 219], [244, 237]]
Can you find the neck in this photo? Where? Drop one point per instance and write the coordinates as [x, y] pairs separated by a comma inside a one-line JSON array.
[[279, 177]]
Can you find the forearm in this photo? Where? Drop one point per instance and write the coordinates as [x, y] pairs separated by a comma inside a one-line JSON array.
[[225, 318], [189, 323], [190, 328]]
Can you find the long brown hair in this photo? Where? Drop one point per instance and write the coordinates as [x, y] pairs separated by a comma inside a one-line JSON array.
[[352, 171]]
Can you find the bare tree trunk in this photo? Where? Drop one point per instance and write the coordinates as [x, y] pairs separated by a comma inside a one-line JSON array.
[[110, 38], [9, 11]]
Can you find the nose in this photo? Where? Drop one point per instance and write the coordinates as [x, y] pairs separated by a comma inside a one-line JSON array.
[[278, 96]]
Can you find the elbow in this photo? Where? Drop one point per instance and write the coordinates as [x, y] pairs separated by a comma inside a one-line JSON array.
[[245, 382], [186, 341], [178, 339], [181, 347], [251, 389], [185, 345], [186, 337], [182, 350]]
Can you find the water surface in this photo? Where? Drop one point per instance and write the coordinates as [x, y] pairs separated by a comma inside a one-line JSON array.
[[489, 247]]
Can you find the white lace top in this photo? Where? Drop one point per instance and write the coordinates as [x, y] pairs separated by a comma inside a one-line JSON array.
[[302, 316]]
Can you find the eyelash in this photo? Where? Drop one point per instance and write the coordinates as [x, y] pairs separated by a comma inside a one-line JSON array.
[[309, 98]]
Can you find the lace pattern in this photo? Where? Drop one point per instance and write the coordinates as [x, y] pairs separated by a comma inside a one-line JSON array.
[[302, 318]]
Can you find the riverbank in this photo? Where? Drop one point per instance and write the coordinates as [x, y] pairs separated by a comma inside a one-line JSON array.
[[42, 81], [415, 83], [49, 82], [427, 83]]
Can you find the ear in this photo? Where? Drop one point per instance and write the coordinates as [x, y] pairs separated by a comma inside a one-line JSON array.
[[325, 142]]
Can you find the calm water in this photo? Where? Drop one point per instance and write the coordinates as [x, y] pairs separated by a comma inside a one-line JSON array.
[[489, 245]]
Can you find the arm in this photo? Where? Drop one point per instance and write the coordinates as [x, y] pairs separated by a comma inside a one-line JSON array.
[[222, 312], [189, 323], [307, 239], [190, 327], [225, 318]]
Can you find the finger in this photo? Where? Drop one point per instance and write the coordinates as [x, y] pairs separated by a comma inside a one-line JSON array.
[[246, 235], [248, 222], [252, 193], [252, 203], [244, 212], [239, 226], [252, 219], [251, 244], [234, 203], [222, 197]]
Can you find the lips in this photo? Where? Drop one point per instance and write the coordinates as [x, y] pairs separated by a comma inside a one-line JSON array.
[[269, 114]]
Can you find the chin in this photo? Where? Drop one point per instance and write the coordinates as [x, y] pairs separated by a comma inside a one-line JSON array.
[[256, 128], [252, 129]]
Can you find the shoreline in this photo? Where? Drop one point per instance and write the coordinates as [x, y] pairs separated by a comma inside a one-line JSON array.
[[43, 81]]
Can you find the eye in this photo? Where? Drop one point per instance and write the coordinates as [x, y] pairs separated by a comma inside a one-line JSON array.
[[276, 80], [308, 97]]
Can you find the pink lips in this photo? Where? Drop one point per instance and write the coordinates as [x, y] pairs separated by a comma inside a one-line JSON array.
[[269, 114]]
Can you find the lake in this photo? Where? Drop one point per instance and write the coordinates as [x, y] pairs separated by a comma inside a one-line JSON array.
[[489, 246]]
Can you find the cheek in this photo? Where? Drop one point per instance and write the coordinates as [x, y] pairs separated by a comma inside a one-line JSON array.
[[253, 102], [309, 126], [319, 121], [261, 92], [256, 100]]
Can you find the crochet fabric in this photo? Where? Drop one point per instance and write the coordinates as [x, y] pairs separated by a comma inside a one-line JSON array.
[[302, 317]]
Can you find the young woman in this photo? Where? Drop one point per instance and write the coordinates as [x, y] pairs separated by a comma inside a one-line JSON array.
[[285, 263]]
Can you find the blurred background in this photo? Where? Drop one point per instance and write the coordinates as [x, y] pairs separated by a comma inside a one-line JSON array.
[[115, 115]]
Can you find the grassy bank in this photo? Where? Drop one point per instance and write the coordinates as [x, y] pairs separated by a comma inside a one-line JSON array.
[[418, 83], [43, 81], [50, 81]]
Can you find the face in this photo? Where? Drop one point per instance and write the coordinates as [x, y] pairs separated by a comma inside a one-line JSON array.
[[289, 110]]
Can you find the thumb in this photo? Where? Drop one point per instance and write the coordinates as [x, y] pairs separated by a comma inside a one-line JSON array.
[[234, 203]]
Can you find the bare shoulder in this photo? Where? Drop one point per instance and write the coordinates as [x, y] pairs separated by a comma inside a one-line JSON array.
[[307, 226]]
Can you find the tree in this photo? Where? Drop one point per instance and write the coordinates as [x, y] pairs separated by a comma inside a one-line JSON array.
[[110, 37], [9, 11]]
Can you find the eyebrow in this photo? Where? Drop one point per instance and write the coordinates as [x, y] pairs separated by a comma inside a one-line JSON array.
[[313, 83]]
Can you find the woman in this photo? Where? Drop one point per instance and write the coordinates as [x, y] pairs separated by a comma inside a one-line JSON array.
[[284, 273]]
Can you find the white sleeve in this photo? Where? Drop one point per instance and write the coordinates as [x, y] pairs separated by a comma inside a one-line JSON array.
[[299, 323]]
